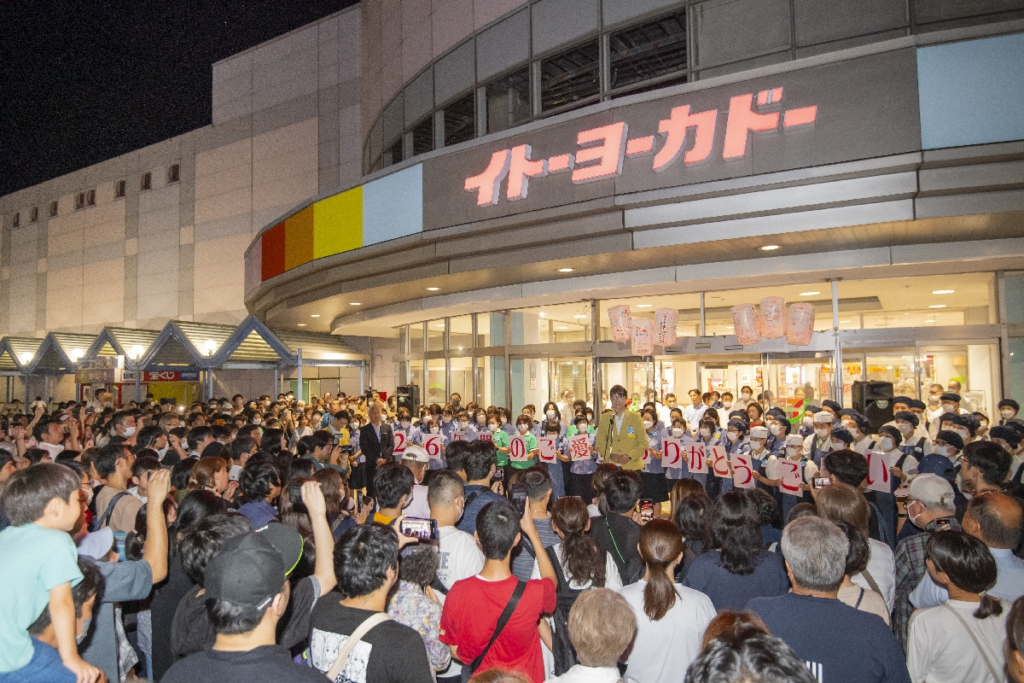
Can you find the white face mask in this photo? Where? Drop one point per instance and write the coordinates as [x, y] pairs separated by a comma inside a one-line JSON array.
[[463, 425], [734, 436], [822, 432], [960, 485], [648, 425], [162, 452], [793, 452], [745, 396], [905, 428], [945, 450], [524, 428], [1007, 414], [807, 421], [886, 444], [775, 429], [962, 432], [550, 414], [492, 427], [481, 419], [256, 420], [128, 431], [705, 432], [354, 425], [756, 445], [948, 407], [435, 430], [405, 424], [677, 432], [727, 404]]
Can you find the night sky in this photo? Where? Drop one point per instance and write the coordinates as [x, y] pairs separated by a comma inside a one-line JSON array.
[[83, 81]]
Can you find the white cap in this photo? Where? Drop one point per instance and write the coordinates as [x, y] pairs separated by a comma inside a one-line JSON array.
[[931, 489], [97, 544], [794, 440], [823, 416], [759, 433], [416, 454]]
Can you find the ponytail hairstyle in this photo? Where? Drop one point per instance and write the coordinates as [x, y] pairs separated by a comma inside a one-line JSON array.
[[582, 558], [660, 544], [969, 565]]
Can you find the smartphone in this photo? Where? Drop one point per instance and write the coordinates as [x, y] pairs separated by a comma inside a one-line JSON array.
[[416, 527], [518, 492], [646, 509], [820, 482], [295, 494], [498, 475], [359, 499]]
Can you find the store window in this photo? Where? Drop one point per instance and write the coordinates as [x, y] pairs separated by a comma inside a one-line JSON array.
[[508, 100], [119, 189], [393, 154], [570, 76], [416, 339], [974, 368], [461, 334], [530, 384], [651, 50], [416, 378], [571, 380], [53, 208], [490, 380], [437, 388], [1014, 288], [460, 120], [928, 301], [461, 378], [146, 181], [552, 324], [33, 216], [435, 335], [687, 307], [423, 136], [490, 329]]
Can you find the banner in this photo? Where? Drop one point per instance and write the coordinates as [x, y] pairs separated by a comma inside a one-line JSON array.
[[546, 449], [672, 455], [579, 447], [517, 449], [742, 471]]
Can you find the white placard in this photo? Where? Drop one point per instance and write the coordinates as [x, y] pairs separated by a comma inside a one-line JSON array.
[[546, 449], [697, 458], [672, 456], [579, 447], [742, 471], [790, 477], [517, 449], [878, 472], [720, 462], [400, 440], [433, 445]]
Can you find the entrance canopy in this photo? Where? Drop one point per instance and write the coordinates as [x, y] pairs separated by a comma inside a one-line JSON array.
[[122, 341], [60, 353], [16, 353]]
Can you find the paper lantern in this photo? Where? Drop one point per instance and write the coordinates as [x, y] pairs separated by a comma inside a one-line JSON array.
[[622, 323], [746, 324], [643, 337], [801, 324], [773, 317], [665, 320]]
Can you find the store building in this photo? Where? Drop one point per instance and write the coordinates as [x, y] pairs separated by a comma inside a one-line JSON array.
[[476, 182]]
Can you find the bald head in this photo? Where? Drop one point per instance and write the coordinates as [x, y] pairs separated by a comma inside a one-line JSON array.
[[995, 518]]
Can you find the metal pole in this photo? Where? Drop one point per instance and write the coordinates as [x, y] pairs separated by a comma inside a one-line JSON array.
[[26, 391], [835, 304], [362, 377], [138, 385], [298, 380], [702, 328], [209, 378], [277, 383]]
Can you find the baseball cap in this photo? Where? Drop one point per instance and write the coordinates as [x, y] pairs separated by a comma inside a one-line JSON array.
[[416, 454], [931, 489], [247, 572], [286, 541], [97, 544]]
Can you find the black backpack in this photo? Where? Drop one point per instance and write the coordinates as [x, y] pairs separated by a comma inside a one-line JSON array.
[[561, 648]]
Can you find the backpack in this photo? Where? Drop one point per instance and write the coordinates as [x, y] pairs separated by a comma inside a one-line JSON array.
[[561, 647]]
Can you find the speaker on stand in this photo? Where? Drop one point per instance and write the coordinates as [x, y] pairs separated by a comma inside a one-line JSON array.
[[408, 397], [874, 401]]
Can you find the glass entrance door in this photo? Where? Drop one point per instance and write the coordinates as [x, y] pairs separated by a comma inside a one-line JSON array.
[[796, 380]]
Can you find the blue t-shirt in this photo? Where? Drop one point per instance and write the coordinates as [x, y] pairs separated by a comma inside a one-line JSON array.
[[840, 644], [733, 591], [37, 559], [473, 507]]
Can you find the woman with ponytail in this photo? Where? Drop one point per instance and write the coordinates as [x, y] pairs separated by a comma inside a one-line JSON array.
[[961, 639], [670, 618]]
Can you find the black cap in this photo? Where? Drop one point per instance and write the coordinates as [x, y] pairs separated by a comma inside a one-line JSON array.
[[1009, 403], [892, 432], [917, 404], [951, 438], [832, 405], [907, 416], [1007, 434], [286, 541], [842, 434], [950, 396], [739, 425], [247, 573], [905, 400]]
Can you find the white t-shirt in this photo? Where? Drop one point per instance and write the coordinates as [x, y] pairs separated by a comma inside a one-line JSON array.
[[612, 579], [664, 649], [940, 651], [418, 505], [458, 556], [882, 567]]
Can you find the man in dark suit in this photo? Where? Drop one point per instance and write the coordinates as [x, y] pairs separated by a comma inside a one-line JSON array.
[[377, 443]]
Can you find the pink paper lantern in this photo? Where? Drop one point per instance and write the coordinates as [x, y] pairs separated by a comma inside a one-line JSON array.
[[773, 317], [665, 321], [746, 324], [643, 337], [801, 324], [621, 321]]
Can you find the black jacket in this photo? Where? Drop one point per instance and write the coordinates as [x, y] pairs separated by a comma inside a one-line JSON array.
[[619, 536]]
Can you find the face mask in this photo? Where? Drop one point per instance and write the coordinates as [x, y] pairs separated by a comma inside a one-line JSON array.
[[355, 425], [821, 432], [481, 419], [727, 404], [128, 431], [947, 407], [1007, 414], [435, 430], [162, 452], [256, 420], [905, 428], [913, 518], [792, 452], [745, 396], [705, 432], [648, 425], [885, 443], [776, 430], [405, 424], [550, 414], [838, 445], [524, 428], [734, 437], [963, 433], [492, 427], [677, 432], [945, 450], [463, 425], [756, 445], [960, 485], [581, 428], [85, 630], [807, 421]]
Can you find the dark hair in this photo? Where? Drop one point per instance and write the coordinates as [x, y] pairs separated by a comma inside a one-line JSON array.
[[257, 478], [27, 493], [228, 618], [418, 564], [455, 454], [91, 585], [767, 508], [968, 563], [271, 441], [537, 482], [859, 550], [145, 461], [991, 459], [801, 510], [849, 467], [735, 529], [331, 481], [690, 518], [107, 457], [391, 482], [621, 491], [362, 558], [306, 445], [198, 505], [199, 543], [480, 457], [148, 436], [444, 487], [748, 657], [1015, 625], [497, 525], [660, 544], [197, 435], [583, 560], [240, 446], [181, 473]]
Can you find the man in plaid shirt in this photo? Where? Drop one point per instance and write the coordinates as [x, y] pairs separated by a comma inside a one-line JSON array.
[[929, 508]]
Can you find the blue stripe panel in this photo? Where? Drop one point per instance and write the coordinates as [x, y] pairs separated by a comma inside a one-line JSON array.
[[972, 93], [393, 206]]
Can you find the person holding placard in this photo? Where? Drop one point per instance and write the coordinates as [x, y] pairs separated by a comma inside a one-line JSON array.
[[551, 453], [736, 443], [620, 435], [653, 473], [522, 448], [678, 436], [464, 431], [761, 458], [434, 442], [584, 460], [791, 475]]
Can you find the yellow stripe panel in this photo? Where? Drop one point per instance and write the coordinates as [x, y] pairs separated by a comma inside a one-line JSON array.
[[338, 223], [298, 240]]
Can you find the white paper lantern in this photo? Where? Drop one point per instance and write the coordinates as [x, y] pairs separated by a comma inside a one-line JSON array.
[[801, 324], [665, 321], [621, 321], [746, 324], [773, 317], [643, 337]]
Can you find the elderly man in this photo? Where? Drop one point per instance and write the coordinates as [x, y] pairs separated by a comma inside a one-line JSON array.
[[839, 643], [377, 443], [930, 508]]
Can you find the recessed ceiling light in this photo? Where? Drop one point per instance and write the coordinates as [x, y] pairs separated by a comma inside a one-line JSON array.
[[843, 321], [314, 315], [302, 324], [645, 305], [561, 328], [566, 270], [937, 306], [433, 289], [809, 293], [943, 291], [541, 314], [355, 303], [769, 247], [441, 325], [582, 315], [729, 327]]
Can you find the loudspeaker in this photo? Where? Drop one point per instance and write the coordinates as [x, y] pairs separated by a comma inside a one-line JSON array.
[[408, 397], [874, 401]]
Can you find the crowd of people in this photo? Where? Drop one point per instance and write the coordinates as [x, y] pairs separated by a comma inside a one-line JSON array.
[[355, 540]]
